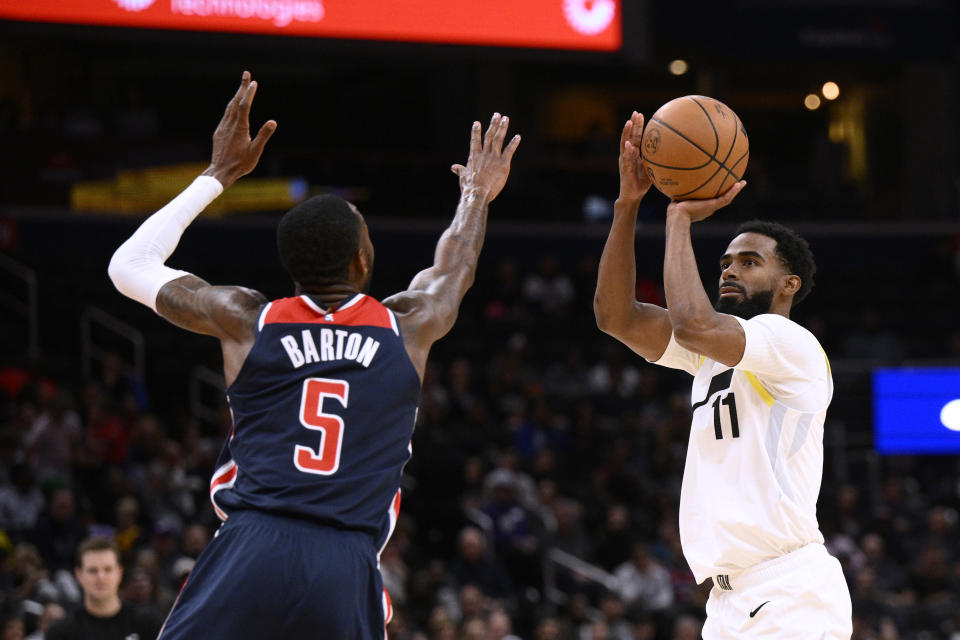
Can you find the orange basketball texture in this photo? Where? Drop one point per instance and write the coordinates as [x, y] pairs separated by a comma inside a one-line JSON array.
[[695, 147]]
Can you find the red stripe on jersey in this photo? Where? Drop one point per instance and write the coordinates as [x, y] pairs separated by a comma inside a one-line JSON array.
[[366, 312], [222, 478], [396, 505], [388, 607], [225, 477]]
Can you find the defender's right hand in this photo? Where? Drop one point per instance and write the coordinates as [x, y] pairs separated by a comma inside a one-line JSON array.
[[489, 163]]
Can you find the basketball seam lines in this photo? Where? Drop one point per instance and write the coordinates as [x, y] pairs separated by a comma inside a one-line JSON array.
[[713, 175], [712, 158], [733, 143], [716, 136]]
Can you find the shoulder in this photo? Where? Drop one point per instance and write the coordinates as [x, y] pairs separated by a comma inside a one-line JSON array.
[[412, 309], [780, 330], [406, 302]]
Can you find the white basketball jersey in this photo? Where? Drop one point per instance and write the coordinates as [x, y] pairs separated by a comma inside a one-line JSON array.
[[755, 456]]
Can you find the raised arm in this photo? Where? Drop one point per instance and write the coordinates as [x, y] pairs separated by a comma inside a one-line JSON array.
[[428, 308], [645, 328], [137, 267], [697, 326]]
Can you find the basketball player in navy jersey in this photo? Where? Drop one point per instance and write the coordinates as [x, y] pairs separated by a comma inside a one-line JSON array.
[[761, 388], [323, 387]]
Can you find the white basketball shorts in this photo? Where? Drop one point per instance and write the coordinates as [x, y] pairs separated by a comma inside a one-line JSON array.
[[799, 596]]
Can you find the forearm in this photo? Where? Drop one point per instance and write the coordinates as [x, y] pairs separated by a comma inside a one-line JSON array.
[[687, 301], [617, 273], [137, 267], [460, 244]]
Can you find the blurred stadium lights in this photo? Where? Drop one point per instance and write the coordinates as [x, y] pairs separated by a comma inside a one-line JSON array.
[[678, 67], [830, 90]]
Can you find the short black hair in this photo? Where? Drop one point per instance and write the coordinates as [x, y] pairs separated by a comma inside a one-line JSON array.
[[792, 249], [317, 239], [97, 543]]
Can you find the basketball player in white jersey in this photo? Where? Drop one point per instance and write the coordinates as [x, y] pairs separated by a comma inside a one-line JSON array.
[[761, 387]]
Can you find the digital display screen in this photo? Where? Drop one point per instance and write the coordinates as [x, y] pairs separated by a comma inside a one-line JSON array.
[[547, 24], [916, 411]]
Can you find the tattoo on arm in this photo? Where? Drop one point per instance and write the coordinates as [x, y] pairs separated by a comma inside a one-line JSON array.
[[192, 303]]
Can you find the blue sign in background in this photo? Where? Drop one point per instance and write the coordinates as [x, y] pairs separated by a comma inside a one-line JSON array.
[[906, 410]]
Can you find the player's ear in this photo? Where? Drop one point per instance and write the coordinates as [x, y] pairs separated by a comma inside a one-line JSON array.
[[361, 261], [792, 284]]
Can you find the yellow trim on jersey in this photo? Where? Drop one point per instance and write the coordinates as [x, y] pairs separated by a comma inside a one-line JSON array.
[[829, 369], [700, 364], [759, 388]]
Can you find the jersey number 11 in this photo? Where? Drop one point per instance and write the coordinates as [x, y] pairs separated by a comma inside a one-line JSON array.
[[731, 403]]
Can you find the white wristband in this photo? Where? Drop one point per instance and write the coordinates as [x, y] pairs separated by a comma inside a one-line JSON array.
[[137, 268]]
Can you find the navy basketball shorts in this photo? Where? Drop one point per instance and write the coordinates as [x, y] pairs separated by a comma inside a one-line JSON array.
[[267, 576]]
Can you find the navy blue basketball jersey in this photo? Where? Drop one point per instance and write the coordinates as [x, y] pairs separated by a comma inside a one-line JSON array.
[[323, 414]]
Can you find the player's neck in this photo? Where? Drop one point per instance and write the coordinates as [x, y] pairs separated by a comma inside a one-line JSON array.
[[329, 296], [781, 307], [102, 607]]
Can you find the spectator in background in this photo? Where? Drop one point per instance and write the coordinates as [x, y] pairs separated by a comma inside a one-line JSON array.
[[52, 612], [54, 439], [128, 534], [611, 610], [21, 502], [615, 540], [32, 582], [890, 580], [140, 590], [643, 582], [103, 615], [13, 629], [59, 530], [473, 565], [548, 290], [195, 537], [515, 530], [499, 626], [547, 629], [686, 628]]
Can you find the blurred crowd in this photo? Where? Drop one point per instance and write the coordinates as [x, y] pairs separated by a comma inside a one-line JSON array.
[[541, 501]]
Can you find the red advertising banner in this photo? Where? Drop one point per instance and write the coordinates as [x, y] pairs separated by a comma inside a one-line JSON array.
[[549, 24]]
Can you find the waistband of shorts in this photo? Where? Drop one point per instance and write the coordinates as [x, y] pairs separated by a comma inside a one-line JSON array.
[[768, 569], [283, 521]]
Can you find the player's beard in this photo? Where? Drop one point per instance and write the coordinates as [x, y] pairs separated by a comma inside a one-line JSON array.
[[746, 307]]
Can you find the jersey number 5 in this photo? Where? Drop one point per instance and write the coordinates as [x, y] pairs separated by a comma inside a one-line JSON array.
[[326, 461]]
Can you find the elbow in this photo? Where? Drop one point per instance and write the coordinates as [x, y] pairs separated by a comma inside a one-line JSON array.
[[607, 319], [116, 267]]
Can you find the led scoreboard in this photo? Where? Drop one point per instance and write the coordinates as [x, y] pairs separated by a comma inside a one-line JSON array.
[[548, 24]]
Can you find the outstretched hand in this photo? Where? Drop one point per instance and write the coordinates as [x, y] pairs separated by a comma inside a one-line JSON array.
[[489, 162], [698, 210], [634, 181], [234, 153]]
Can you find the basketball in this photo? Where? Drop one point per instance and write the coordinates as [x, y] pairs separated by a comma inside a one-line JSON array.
[[695, 147]]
